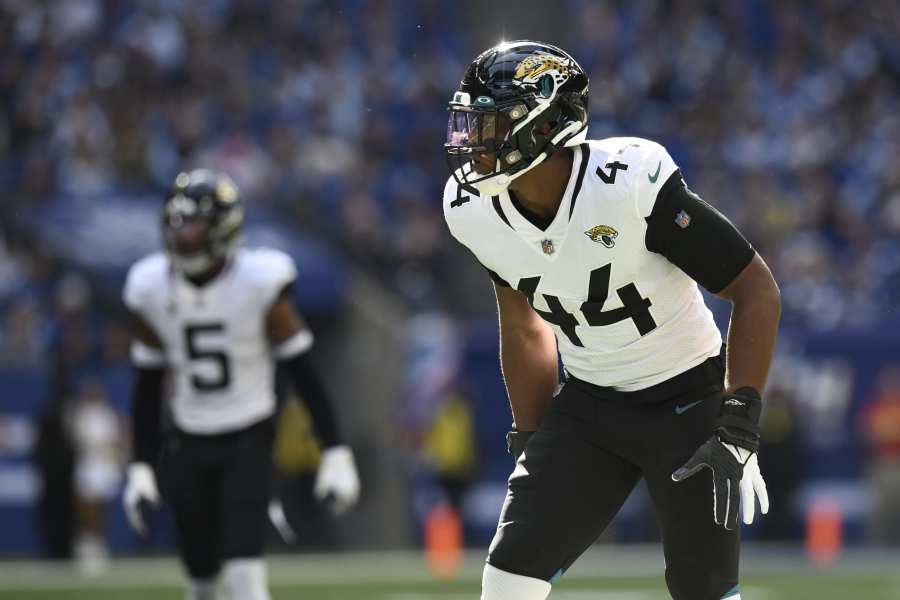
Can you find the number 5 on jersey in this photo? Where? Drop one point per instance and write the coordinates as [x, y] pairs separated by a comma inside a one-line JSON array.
[[196, 339]]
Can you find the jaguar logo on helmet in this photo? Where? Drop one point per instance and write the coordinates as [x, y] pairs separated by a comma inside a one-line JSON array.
[[534, 67], [226, 190]]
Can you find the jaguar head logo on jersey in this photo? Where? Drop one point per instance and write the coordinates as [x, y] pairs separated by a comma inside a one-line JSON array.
[[517, 104], [201, 220], [603, 234]]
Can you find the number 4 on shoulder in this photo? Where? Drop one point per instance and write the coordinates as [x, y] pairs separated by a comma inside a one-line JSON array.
[[463, 198], [613, 168]]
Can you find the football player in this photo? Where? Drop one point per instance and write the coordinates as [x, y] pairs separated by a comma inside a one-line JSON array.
[[596, 249], [217, 317]]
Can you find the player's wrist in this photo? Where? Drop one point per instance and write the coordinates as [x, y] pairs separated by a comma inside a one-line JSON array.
[[516, 441], [140, 469], [337, 452], [738, 421]]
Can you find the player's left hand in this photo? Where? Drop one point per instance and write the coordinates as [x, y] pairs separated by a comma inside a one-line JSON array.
[[337, 479], [731, 456]]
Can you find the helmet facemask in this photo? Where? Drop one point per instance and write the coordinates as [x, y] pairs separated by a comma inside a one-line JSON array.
[[479, 130], [507, 122]]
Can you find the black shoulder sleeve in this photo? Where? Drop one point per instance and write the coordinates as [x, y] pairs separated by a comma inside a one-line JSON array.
[[696, 237]]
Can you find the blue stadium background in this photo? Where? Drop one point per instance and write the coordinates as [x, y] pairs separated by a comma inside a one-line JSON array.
[[330, 116]]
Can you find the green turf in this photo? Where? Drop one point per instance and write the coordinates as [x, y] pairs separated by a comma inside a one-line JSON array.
[[603, 573], [807, 587]]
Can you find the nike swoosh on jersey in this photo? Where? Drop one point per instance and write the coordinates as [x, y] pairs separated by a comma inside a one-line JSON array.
[[683, 408], [655, 176]]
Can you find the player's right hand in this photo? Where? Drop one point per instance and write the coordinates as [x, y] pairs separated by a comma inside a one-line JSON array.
[[140, 490], [337, 481]]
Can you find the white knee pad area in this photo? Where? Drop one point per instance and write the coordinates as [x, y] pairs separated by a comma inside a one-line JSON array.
[[202, 589], [500, 585], [245, 579]]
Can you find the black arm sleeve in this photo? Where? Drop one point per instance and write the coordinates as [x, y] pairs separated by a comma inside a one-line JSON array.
[[146, 410], [308, 385], [696, 237]]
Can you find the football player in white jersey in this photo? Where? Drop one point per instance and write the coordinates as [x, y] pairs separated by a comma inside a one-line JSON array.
[[596, 249], [218, 317]]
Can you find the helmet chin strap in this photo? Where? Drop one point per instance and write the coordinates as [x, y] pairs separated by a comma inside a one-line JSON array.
[[499, 183]]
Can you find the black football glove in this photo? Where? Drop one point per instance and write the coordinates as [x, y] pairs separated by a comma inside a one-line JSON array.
[[515, 442], [731, 456]]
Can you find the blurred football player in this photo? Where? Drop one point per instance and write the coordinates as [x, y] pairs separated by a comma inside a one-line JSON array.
[[596, 248], [218, 316]]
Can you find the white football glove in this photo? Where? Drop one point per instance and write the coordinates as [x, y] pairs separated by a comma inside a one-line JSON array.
[[753, 485], [337, 479], [139, 487]]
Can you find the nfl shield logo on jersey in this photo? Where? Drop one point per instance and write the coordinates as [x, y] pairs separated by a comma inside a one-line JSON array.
[[547, 247], [682, 219]]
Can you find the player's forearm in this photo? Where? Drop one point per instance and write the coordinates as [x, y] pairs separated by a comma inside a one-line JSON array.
[[146, 409], [309, 385], [751, 338], [529, 364]]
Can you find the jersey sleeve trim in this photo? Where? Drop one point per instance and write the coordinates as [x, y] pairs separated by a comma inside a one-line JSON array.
[[495, 201], [582, 168], [146, 357], [696, 237], [295, 345]]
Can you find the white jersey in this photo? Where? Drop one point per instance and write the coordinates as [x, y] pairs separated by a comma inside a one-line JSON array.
[[214, 337], [624, 317]]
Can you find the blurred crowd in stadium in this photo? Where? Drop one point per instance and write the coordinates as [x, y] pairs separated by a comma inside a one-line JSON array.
[[330, 117]]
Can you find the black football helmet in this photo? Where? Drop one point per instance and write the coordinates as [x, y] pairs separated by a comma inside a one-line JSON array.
[[201, 220], [507, 94]]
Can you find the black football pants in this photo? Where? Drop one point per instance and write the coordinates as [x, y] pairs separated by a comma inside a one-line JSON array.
[[219, 488], [592, 447]]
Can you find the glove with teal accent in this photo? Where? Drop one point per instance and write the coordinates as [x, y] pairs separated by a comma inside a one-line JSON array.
[[730, 454]]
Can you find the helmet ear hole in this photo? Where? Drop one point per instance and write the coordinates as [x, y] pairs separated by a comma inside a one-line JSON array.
[[546, 86]]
